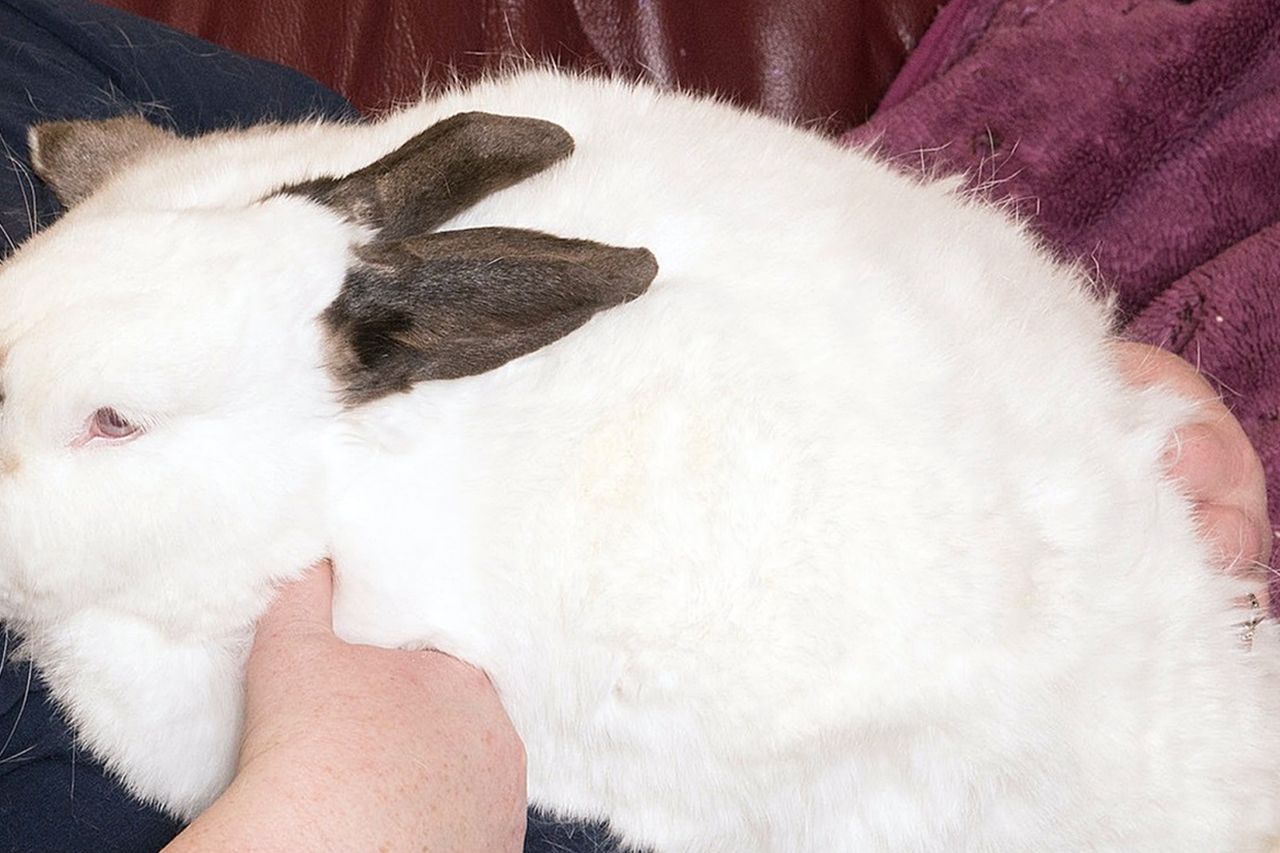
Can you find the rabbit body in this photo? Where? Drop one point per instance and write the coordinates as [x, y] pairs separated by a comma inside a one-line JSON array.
[[846, 535]]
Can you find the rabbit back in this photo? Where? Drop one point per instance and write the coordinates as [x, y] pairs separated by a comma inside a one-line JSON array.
[[847, 535]]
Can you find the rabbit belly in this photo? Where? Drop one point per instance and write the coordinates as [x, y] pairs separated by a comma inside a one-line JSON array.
[[845, 536]]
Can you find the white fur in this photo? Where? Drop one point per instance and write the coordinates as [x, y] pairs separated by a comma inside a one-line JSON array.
[[847, 535]]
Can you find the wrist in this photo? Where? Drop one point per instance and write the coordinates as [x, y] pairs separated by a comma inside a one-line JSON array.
[[268, 810]]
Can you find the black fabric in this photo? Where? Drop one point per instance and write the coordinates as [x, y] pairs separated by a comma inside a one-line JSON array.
[[73, 59]]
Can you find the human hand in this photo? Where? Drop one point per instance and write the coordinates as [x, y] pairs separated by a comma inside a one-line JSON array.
[[350, 747], [1215, 460]]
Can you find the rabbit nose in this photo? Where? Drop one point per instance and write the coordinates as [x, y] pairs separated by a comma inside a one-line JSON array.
[[8, 462]]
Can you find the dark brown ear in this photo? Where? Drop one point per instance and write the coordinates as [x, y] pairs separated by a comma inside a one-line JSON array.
[[458, 303], [75, 157], [442, 171]]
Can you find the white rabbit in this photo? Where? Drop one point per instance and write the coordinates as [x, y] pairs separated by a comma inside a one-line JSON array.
[[844, 535]]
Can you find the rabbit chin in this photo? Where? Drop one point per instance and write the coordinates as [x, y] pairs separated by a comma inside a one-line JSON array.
[[143, 644], [191, 556]]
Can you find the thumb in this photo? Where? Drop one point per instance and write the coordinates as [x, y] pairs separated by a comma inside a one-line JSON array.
[[304, 606]]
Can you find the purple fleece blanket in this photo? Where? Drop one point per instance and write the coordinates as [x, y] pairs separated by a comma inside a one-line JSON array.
[[1142, 136]]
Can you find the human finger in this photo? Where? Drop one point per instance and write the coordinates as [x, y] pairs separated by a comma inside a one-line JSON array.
[[302, 606], [1212, 457]]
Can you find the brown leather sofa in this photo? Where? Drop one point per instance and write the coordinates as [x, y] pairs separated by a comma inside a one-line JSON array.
[[826, 62]]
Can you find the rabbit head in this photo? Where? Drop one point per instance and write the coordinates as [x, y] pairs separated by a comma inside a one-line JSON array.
[[170, 374]]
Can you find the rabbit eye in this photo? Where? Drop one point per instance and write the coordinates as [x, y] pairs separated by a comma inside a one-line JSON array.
[[108, 423]]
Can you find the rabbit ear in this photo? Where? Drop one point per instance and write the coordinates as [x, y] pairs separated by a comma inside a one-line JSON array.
[[441, 172], [419, 305], [75, 157], [458, 303]]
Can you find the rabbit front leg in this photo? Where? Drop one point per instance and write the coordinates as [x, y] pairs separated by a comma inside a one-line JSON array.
[[163, 713]]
